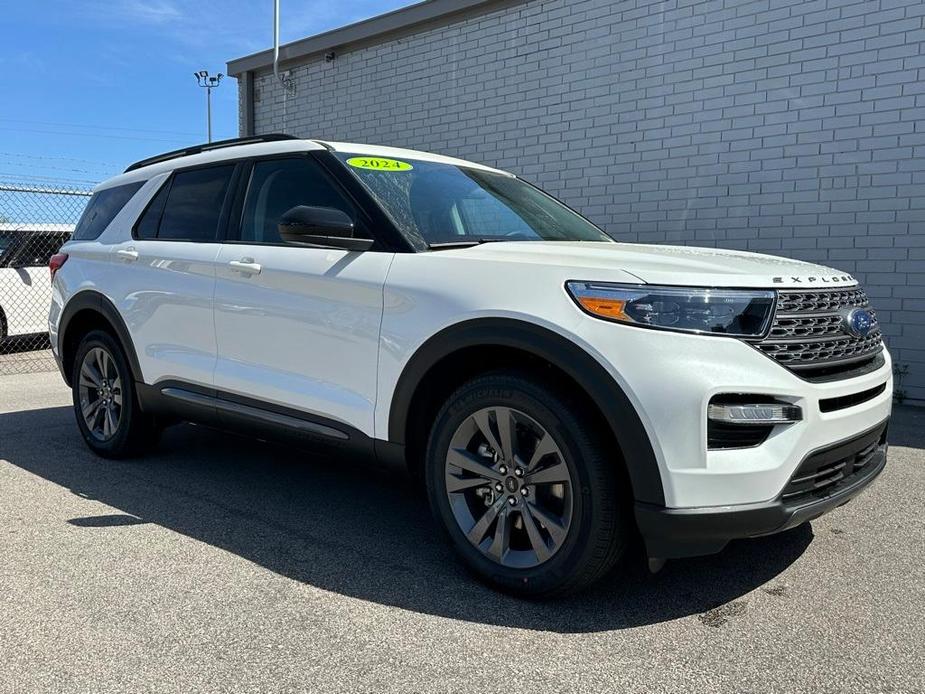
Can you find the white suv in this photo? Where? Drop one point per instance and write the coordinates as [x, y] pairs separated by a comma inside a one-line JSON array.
[[558, 393]]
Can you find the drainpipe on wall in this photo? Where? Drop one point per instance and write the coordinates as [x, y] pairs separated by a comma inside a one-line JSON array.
[[283, 80]]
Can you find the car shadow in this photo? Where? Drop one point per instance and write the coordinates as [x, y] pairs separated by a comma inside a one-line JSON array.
[[346, 526]]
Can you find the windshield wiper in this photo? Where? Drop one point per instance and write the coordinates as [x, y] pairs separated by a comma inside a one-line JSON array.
[[461, 244]]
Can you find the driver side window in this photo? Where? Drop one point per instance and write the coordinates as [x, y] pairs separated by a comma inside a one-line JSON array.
[[277, 185]]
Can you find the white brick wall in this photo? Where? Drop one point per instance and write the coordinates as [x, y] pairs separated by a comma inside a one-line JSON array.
[[787, 126]]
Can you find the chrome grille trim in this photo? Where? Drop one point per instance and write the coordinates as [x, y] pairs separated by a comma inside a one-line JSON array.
[[807, 331], [825, 300]]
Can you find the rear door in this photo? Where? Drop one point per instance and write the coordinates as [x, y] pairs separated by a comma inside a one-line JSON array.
[[166, 279], [298, 327]]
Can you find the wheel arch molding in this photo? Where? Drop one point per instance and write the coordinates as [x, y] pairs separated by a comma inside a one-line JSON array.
[[82, 306], [544, 345]]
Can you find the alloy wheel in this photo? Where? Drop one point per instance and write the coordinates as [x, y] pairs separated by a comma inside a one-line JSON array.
[[509, 487], [100, 388]]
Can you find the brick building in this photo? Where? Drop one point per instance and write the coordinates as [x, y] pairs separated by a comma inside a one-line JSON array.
[[793, 127]]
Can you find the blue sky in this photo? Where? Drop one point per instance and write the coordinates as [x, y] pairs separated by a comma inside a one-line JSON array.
[[91, 85]]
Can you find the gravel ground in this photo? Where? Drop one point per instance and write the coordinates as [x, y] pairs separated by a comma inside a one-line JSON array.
[[219, 564]]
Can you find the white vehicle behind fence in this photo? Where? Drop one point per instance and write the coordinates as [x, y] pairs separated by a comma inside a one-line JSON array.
[[25, 285]]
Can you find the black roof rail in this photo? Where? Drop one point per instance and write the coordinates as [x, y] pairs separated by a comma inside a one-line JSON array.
[[197, 149]]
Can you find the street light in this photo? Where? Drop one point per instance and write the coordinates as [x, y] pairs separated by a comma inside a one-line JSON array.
[[209, 82]]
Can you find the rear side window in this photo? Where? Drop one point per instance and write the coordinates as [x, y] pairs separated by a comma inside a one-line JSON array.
[[102, 208], [192, 206]]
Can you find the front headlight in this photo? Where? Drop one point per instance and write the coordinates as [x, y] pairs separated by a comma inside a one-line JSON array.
[[732, 312]]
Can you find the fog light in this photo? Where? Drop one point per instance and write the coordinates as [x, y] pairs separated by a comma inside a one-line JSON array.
[[768, 413]]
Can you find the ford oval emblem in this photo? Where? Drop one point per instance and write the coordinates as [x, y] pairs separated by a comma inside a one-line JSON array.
[[858, 322]]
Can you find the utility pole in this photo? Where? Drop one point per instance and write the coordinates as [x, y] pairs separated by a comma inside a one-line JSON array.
[[209, 82]]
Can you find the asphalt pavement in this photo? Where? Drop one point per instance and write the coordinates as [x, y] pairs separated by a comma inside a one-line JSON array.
[[223, 564]]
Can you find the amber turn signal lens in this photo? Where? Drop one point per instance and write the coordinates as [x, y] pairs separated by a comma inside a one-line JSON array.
[[606, 308]]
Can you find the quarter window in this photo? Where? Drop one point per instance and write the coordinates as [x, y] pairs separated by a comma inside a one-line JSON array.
[[278, 185], [102, 208]]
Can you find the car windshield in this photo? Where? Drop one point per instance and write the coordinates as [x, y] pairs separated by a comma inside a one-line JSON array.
[[6, 240], [446, 204]]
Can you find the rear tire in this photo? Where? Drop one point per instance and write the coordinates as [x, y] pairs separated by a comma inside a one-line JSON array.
[[105, 400], [541, 517]]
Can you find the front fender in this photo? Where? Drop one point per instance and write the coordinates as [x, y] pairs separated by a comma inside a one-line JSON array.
[[625, 424]]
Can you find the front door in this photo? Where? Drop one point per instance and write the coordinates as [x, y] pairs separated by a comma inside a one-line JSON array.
[[296, 326]]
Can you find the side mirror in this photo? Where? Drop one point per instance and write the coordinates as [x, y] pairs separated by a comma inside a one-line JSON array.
[[323, 227]]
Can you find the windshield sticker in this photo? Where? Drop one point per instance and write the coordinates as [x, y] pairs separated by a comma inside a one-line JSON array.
[[376, 164]]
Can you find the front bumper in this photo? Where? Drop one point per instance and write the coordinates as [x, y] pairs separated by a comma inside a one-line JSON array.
[[684, 532], [670, 379]]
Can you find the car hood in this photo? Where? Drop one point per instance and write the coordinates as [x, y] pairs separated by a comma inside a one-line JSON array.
[[656, 264]]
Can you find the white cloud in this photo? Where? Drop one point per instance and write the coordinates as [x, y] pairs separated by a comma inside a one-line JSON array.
[[149, 11]]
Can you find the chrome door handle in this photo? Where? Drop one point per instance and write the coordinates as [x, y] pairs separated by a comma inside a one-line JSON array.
[[246, 266], [130, 255]]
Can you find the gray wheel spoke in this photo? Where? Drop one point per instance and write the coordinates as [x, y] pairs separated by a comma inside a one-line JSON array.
[[533, 533], [505, 420], [553, 526], [90, 410], [455, 483], [109, 423], [502, 538], [545, 446], [477, 533], [484, 425], [101, 362], [549, 475], [99, 419], [470, 462], [89, 378], [117, 392]]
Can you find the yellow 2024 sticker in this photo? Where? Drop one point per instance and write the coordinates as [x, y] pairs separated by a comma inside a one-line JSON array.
[[377, 164]]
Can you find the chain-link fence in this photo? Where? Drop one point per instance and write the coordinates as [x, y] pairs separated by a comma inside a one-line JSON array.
[[35, 220]]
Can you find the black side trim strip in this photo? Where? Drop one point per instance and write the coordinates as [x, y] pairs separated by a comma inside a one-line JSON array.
[[257, 413]]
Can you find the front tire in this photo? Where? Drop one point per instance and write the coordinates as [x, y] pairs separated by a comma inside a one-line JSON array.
[[522, 484], [105, 402]]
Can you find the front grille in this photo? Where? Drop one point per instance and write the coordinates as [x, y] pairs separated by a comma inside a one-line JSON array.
[[825, 472], [808, 335], [820, 301]]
